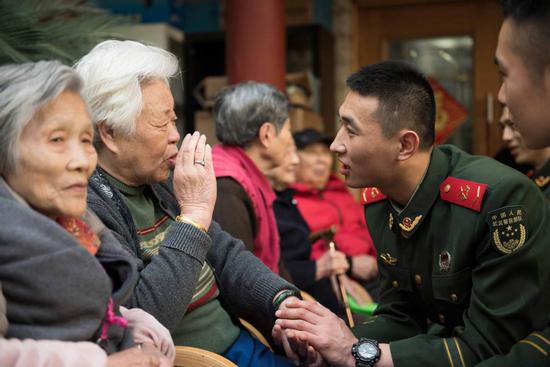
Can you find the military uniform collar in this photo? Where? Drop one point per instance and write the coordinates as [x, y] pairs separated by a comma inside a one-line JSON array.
[[541, 177], [407, 221]]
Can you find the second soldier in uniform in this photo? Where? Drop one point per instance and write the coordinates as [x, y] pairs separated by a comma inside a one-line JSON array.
[[539, 159]]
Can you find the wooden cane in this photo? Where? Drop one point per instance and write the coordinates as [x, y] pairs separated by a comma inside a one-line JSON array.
[[343, 293], [326, 234]]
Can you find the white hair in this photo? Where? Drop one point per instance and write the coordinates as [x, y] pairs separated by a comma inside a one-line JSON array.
[[113, 73], [24, 90]]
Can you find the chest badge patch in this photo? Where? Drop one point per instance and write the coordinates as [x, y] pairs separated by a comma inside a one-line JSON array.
[[508, 228], [388, 259], [444, 261]]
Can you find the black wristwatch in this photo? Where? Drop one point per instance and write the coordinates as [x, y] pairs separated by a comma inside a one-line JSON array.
[[366, 352]]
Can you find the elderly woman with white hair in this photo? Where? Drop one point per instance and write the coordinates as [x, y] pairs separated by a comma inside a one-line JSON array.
[[193, 277], [63, 274]]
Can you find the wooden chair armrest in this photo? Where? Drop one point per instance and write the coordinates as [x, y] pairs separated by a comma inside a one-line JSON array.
[[196, 357], [307, 297], [255, 333]]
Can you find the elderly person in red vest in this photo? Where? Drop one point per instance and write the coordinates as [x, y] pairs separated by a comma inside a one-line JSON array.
[[253, 125]]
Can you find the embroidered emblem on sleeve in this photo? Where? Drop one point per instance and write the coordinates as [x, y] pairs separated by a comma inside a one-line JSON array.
[[508, 228]]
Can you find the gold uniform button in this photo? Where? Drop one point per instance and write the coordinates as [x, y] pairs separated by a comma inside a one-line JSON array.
[[441, 318], [418, 279], [454, 297], [447, 188], [395, 284]]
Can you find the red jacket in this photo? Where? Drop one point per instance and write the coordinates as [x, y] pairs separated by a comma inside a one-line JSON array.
[[334, 206]]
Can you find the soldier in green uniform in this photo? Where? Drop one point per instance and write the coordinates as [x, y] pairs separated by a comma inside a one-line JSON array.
[[537, 158], [524, 62], [461, 239]]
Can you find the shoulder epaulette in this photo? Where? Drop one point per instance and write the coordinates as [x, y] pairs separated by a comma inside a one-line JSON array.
[[372, 195], [541, 181], [468, 194]]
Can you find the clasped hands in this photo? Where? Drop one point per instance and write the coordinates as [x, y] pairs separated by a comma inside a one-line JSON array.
[[312, 335]]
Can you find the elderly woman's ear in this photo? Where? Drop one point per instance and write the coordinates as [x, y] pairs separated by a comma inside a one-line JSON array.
[[267, 134], [107, 137]]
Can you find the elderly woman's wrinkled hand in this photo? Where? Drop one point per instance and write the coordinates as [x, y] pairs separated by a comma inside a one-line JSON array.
[[145, 356], [194, 180], [331, 263], [280, 338], [296, 349]]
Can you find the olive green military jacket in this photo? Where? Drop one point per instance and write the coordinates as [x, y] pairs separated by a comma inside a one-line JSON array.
[[533, 350], [464, 267], [541, 178]]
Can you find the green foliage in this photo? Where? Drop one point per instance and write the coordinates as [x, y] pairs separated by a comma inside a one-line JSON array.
[[64, 30]]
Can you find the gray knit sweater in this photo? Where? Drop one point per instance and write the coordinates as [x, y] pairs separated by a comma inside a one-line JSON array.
[[54, 288], [3, 319], [166, 284]]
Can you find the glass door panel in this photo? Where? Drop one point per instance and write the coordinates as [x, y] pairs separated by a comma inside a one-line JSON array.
[[449, 61]]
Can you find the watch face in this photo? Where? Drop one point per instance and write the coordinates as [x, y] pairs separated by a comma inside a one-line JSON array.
[[367, 350]]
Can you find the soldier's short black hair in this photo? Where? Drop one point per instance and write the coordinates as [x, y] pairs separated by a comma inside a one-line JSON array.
[[405, 97], [532, 39]]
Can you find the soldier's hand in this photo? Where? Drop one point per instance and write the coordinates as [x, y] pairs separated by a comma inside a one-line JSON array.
[[364, 267], [312, 328], [331, 263]]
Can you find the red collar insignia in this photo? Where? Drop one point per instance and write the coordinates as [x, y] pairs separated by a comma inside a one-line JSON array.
[[372, 195]]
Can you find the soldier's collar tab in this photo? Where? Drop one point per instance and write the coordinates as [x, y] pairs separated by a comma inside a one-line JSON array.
[[371, 195], [411, 217], [541, 176], [541, 181]]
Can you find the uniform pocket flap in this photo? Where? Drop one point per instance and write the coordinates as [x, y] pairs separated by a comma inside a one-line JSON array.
[[396, 277], [452, 287]]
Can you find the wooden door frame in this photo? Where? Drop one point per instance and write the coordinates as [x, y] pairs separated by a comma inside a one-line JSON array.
[[455, 18]]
